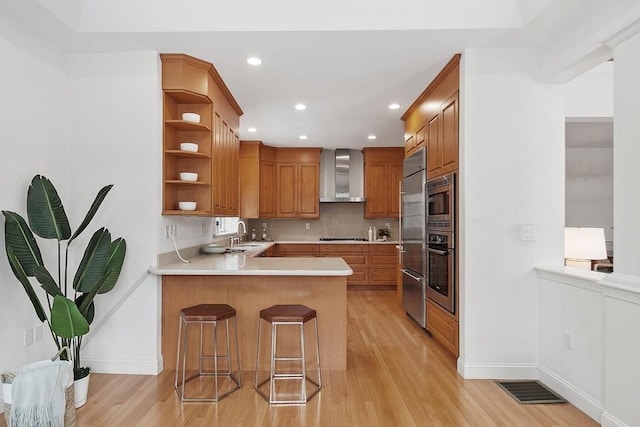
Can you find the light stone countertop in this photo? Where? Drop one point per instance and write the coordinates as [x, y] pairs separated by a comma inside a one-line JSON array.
[[249, 264]]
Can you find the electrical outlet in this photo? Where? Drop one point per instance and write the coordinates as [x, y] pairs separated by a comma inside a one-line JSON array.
[[37, 333], [174, 230], [568, 340], [203, 228], [167, 231], [386, 224], [307, 226], [28, 337]]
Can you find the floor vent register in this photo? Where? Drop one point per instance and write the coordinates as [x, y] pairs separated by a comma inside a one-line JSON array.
[[530, 392]]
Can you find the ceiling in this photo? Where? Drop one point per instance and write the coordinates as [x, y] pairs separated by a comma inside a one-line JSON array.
[[346, 60]]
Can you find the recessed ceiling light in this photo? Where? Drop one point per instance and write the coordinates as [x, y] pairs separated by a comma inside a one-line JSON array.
[[303, 137], [254, 61], [394, 106], [301, 107], [371, 137], [252, 130]]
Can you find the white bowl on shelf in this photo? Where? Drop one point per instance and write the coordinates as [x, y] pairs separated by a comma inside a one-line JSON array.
[[189, 146], [188, 176], [191, 117], [187, 206]]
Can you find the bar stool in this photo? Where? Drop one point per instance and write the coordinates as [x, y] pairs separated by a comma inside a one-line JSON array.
[[208, 314], [283, 393]]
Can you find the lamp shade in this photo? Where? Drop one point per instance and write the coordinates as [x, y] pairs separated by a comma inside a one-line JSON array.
[[584, 243]]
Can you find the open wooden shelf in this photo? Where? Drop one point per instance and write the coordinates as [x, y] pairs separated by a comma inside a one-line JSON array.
[[183, 96], [187, 154], [181, 182], [189, 126], [190, 213]]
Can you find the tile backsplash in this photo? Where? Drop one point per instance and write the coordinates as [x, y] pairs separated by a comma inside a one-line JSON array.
[[336, 220]]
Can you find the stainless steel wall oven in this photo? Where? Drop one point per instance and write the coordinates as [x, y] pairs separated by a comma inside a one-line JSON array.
[[441, 203], [441, 269], [441, 260]]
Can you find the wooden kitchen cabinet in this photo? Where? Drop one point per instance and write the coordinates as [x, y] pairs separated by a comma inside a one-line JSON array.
[[382, 177], [193, 85], [443, 326], [383, 264], [298, 249], [175, 161], [356, 255], [432, 121], [442, 139], [257, 180], [298, 183]]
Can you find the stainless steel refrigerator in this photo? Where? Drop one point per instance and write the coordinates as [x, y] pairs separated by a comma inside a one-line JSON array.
[[413, 236]]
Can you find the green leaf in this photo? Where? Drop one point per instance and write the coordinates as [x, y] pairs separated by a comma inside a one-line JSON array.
[[19, 237], [26, 284], [92, 210], [45, 212], [66, 319], [117, 252], [86, 306], [94, 261], [47, 282]]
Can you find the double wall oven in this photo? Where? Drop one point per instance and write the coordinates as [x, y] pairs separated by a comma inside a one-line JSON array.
[[441, 258]]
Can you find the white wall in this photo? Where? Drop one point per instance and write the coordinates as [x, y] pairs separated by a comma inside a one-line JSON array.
[[591, 94], [34, 141], [573, 306], [589, 189], [622, 288], [115, 115], [601, 374], [511, 174], [626, 131]]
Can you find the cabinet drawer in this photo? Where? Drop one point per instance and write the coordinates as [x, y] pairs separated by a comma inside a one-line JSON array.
[[339, 248], [387, 260], [354, 260], [382, 276], [294, 249], [442, 327], [383, 249], [359, 277]]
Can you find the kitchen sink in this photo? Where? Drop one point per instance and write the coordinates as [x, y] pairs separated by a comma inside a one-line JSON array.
[[247, 246]]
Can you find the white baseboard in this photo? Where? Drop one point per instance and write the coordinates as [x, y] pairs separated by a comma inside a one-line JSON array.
[[609, 420], [574, 395], [499, 371], [134, 367], [525, 371]]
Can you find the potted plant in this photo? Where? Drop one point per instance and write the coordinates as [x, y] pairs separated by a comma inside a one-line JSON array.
[[384, 233], [70, 303]]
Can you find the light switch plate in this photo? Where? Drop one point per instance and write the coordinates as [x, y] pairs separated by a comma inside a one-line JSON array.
[[528, 232]]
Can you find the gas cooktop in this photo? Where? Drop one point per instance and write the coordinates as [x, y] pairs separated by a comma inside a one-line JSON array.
[[333, 239]]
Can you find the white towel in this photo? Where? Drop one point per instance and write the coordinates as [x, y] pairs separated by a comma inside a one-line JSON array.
[[39, 395]]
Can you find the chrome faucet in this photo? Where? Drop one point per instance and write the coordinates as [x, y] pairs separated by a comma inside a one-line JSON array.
[[244, 230]]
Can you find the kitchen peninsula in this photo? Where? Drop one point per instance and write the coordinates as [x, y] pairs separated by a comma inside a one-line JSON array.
[[250, 283]]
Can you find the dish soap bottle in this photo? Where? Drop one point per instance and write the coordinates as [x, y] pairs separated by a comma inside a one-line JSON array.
[[253, 233], [370, 234]]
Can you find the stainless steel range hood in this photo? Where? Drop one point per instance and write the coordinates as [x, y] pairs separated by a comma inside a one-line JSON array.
[[341, 176]]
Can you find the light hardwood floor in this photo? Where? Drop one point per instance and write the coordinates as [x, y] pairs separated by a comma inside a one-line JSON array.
[[397, 376]]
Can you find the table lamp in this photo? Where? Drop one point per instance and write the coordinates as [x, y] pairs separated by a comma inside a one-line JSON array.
[[583, 244]]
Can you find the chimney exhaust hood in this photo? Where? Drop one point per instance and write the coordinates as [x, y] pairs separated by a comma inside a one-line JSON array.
[[341, 176]]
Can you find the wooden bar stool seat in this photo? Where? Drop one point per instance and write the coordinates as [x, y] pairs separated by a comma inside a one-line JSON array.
[[216, 374], [288, 381]]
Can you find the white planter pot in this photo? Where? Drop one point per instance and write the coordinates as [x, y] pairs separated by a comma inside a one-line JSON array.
[[80, 390]]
